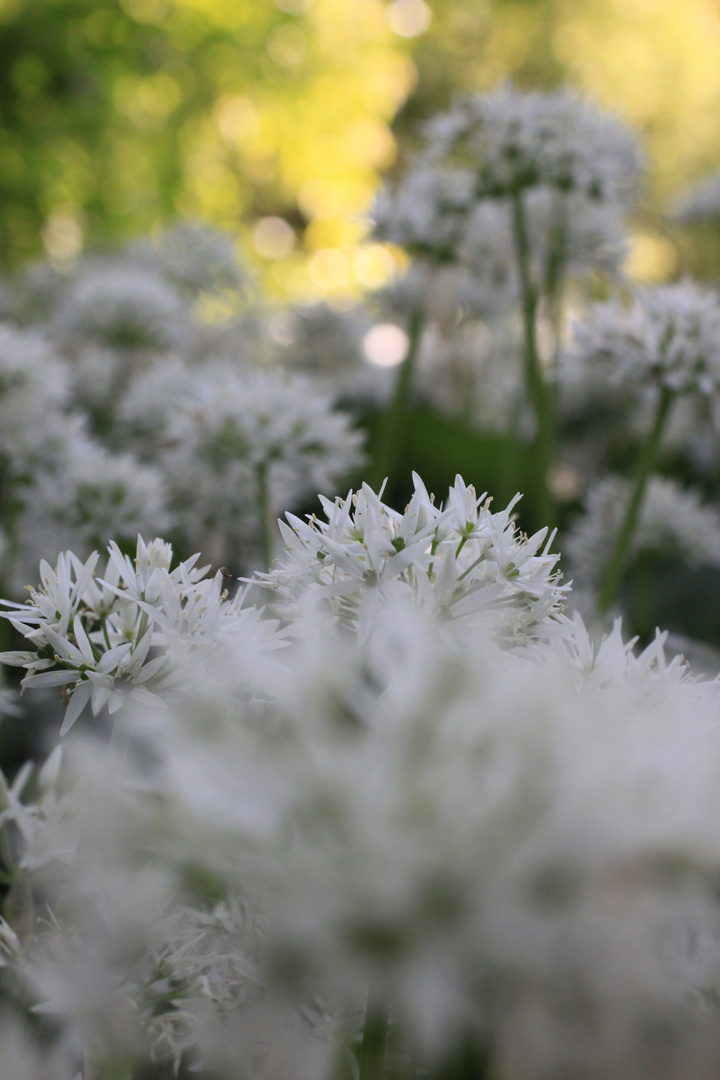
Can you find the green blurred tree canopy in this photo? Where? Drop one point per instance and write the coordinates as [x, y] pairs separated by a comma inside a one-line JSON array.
[[273, 119]]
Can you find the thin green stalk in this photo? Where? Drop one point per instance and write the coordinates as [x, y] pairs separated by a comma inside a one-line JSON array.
[[266, 536], [371, 1057], [392, 425], [621, 550], [535, 385], [555, 271]]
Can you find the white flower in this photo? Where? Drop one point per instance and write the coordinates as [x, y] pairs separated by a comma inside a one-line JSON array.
[[517, 140], [238, 439], [192, 256], [460, 562], [88, 496], [668, 334], [673, 522], [122, 306], [139, 630], [34, 394]]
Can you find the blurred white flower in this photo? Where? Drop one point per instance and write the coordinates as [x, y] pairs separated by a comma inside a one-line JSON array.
[[516, 140], [668, 335], [120, 306], [674, 522]]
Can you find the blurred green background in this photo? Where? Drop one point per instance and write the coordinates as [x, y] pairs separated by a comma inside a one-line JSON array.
[[275, 118]]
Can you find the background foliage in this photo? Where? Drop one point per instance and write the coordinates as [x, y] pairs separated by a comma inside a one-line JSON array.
[[274, 120]]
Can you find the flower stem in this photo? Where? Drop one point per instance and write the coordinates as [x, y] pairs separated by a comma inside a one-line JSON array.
[[621, 550], [371, 1057], [393, 421], [535, 385], [263, 496]]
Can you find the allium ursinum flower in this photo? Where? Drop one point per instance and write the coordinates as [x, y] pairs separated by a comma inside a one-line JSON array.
[[242, 445], [673, 522], [152, 398], [34, 393], [459, 562], [120, 306], [88, 497], [428, 213], [514, 140], [24, 1055], [129, 632], [193, 257], [701, 203], [668, 335], [611, 661]]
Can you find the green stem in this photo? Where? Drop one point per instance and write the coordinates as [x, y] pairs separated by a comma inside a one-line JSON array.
[[535, 385], [555, 270], [393, 421], [621, 550], [371, 1057], [266, 533]]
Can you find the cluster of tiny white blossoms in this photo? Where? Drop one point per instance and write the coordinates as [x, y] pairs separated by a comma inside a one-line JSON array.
[[668, 335], [514, 140], [116, 390], [458, 561], [103, 637]]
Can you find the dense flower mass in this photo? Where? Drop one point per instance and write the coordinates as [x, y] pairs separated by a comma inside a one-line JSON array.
[[455, 816]]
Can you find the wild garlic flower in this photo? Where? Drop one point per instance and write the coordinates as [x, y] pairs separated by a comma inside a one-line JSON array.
[[674, 522], [514, 140], [240, 439], [102, 637], [460, 562], [668, 335], [192, 257], [89, 496], [428, 213], [435, 823], [120, 306]]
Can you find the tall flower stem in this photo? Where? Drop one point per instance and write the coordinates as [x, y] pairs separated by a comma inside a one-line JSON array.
[[536, 387], [371, 1057], [263, 499], [393, 421], [621, 550], [555, 272]]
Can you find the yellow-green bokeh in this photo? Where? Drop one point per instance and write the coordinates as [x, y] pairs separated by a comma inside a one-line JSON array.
[[275, 119]]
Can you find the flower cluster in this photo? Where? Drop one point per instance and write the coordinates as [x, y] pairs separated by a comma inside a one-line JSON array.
[[102, 637], [514, 140], [674, 522], [459, 561], [668, 334]]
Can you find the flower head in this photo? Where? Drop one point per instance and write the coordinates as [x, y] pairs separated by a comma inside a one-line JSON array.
[[668, 334]]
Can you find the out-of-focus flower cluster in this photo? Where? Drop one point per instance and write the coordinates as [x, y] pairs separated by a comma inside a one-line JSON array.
[[126, 408]]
